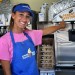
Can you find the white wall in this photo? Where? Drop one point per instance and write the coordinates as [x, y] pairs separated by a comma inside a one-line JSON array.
[[35, 4]]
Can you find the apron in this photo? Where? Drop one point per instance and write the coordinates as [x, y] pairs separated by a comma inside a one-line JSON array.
[[24, 57]]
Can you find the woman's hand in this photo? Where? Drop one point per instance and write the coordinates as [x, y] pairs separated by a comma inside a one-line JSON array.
[[62, 24]]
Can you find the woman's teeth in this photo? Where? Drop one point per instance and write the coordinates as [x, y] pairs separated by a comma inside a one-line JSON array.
[[22, 22]]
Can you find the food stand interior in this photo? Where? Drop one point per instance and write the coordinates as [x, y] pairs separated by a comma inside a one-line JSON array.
[[56, 55]]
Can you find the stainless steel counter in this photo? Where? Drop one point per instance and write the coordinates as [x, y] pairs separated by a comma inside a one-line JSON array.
[[67, 70]]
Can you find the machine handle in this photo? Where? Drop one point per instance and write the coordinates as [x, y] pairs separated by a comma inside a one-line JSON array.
[[72, 23]]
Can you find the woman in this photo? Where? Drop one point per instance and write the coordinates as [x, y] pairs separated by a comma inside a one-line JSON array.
[[17, 47]]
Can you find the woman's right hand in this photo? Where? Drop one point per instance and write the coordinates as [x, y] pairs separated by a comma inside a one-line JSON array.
[[62, 24]]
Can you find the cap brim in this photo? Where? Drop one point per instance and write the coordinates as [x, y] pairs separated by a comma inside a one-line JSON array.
[[24, 10]]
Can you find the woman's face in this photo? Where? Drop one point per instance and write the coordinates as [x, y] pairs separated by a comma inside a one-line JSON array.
[[21, 19]]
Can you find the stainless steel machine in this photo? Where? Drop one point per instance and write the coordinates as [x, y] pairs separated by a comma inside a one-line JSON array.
[[64, 47], [64, 38]]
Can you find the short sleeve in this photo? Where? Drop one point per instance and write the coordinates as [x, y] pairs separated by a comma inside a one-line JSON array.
[[4, 50], [37, 37]]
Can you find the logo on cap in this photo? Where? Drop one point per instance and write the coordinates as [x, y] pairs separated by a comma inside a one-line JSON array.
[[26, 7]]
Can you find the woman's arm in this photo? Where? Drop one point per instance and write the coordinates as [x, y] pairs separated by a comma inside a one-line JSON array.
[[52, 29], [6, 67]]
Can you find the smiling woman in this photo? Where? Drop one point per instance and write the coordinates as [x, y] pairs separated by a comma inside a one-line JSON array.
[[18, 55], [22, 16], [21, 20]]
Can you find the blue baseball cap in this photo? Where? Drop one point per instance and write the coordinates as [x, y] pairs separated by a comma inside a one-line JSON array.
[[23, 8]]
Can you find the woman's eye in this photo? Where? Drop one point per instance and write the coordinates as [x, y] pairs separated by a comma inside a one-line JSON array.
[[27, 16], [21, 15]]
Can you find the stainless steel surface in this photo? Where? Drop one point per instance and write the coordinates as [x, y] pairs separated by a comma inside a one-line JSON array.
[[65, 72], [64, 49]]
